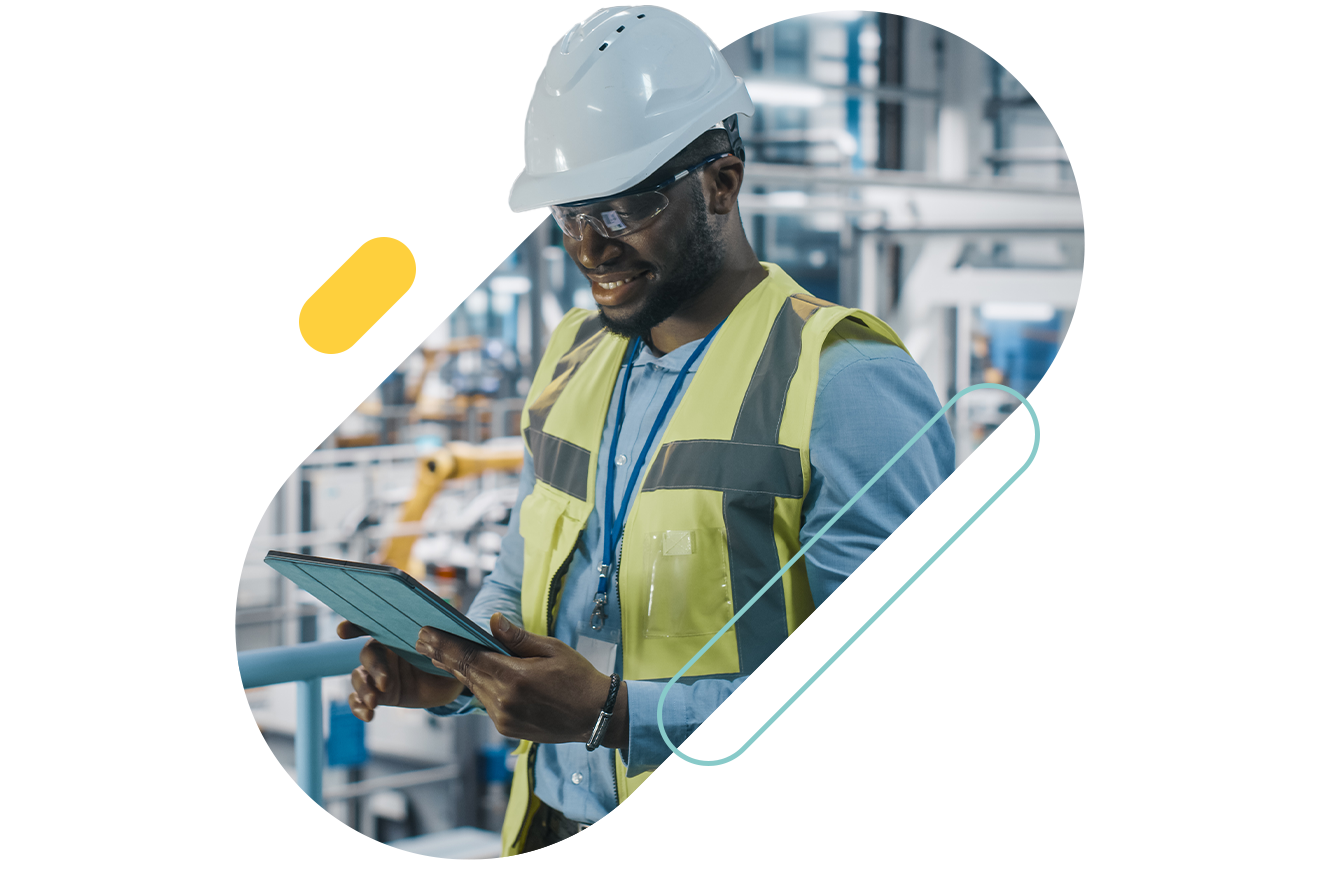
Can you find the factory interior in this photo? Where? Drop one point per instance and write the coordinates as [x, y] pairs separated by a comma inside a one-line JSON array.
[[892, 167]]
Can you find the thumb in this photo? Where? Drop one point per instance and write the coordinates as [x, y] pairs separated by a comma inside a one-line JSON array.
[[515, 638]]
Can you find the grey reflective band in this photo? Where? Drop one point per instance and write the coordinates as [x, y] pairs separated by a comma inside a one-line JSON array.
[[565, 466], [749, 517], [588, 336], [559, 463], [767, 469], [763, 404]]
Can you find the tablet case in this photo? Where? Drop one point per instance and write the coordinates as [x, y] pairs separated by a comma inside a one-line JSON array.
[[385, 601]]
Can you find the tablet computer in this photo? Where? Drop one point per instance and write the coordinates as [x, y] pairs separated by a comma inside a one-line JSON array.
[[391, 606]]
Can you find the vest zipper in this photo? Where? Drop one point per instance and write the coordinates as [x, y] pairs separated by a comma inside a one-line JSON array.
[[555, 580], [618, 570]]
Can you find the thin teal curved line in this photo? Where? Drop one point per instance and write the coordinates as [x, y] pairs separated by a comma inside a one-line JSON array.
[[729, 625]]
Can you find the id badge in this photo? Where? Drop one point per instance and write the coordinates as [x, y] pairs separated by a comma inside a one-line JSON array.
[[595, 648]]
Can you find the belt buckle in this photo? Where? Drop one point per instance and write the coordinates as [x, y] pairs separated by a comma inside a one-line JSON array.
[[580, 826], [602, 831]]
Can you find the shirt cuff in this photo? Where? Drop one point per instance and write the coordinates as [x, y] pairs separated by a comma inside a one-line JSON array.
[[646, 748]]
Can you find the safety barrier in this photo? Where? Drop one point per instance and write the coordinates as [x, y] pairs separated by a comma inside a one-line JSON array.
[[308, 663]]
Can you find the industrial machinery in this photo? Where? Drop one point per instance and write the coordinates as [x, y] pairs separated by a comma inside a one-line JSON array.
[[455, 461]]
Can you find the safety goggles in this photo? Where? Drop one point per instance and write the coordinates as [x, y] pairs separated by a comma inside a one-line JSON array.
[[614, 216]]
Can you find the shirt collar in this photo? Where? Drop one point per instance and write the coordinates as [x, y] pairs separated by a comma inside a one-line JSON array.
[[672, 361]]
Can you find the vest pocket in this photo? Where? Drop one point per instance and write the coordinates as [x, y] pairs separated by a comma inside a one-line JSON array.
[[689, 594]]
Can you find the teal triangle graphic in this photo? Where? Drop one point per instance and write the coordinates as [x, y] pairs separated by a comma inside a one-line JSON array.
[[928, 655]]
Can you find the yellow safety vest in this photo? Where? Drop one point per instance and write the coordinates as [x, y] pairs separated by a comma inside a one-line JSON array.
[[719, 507]]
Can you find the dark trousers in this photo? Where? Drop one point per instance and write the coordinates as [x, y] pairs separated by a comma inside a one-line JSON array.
[[549, 826]]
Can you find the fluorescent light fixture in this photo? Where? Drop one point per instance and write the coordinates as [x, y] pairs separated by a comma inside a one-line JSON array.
[[1038, 36], [361, 61], [771, 93], [832, 12], [1032, 312], [477, 304], [787, 198], [513, 285]]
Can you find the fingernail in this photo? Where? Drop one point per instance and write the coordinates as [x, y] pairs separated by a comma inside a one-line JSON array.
[[504, 623]]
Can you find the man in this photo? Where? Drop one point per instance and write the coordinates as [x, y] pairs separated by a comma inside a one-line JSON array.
[[721, 411]]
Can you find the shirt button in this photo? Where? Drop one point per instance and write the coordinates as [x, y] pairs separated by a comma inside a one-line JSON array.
[[621, 460], [577, 779]]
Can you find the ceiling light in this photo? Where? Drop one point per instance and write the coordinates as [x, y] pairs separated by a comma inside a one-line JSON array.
[[832, 12], [361, 61], [514, 285], [1038, 36], [1032, 312], [771, 93], [787, 199]]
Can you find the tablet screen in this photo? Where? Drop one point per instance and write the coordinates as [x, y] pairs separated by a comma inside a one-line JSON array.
[[385, 601]]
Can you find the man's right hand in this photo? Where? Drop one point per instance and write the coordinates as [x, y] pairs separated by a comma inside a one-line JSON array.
[[384, 679]]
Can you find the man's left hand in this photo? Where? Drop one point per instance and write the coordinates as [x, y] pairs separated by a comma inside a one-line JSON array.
[[546, 692]]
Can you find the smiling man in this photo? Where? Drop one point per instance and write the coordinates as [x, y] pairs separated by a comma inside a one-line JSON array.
[[683, 440]]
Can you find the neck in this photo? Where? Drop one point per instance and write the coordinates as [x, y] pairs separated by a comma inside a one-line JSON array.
[[737, 277]]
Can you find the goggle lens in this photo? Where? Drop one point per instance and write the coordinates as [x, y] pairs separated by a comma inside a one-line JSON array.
[[612, 218]]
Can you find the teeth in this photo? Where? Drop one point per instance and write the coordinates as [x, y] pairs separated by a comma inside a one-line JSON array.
[[617, 284]]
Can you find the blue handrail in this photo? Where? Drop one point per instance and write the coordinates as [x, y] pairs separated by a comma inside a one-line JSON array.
[[306, 663]]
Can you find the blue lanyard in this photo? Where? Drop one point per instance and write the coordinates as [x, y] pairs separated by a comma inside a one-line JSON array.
[[614, 525]]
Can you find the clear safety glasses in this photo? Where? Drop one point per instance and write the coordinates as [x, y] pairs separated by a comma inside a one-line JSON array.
[[616, 216]]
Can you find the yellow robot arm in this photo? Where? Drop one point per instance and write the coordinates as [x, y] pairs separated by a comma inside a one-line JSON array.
[[456, 460]]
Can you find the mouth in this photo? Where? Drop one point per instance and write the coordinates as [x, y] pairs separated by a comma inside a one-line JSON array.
[[612, 292]]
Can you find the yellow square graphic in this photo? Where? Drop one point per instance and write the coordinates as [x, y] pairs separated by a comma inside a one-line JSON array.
[[357, 295]]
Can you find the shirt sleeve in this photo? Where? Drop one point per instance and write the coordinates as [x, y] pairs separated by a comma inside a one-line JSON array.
[[871, 398], [501, 592]]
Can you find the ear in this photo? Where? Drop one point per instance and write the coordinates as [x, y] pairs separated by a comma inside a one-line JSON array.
[[723, 181]]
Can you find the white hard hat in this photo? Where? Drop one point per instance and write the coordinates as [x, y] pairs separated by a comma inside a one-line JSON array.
[[620, 94]]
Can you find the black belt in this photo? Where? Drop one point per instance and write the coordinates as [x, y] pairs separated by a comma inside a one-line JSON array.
[[556, 825], [593, 841]]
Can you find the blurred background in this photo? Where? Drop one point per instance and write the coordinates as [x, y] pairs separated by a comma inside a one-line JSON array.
[[892, 167]]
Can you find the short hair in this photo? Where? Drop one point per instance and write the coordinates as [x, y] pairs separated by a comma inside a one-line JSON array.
[[711, 142]]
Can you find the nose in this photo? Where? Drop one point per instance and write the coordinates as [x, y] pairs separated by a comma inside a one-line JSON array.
[[594, 250]]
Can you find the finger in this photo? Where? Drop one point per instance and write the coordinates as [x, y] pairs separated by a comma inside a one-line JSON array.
[[367, 694], [519, 640], [379, 662], [348, 630], [461, 657], [359, 709]]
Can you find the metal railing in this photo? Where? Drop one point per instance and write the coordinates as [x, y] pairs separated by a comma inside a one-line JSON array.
[[308, 663]]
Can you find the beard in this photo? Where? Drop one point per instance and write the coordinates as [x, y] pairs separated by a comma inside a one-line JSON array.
[[696, 271]]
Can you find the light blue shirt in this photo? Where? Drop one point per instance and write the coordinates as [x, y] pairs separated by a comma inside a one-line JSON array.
[[870, 399]]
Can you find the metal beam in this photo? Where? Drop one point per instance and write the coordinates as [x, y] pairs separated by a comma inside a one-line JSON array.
[[799, 176], [984, 12]]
